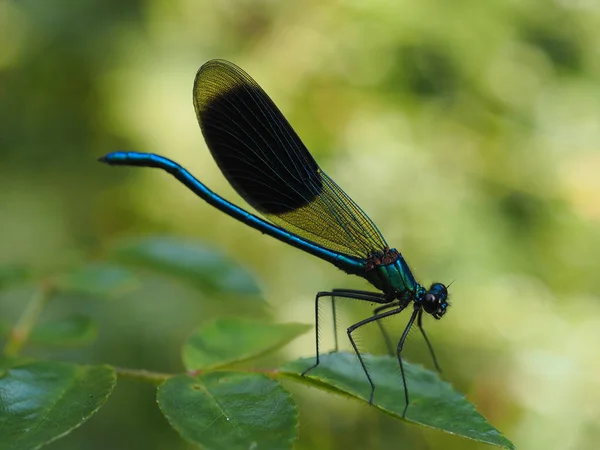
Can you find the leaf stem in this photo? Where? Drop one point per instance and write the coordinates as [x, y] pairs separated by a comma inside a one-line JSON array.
[[22, 329], [147, 376]]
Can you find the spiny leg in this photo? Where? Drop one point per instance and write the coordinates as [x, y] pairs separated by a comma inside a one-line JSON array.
[[318, 296], [360, 359], [376, 297], [356, 295], [420, 324], [400, 347], [386, 305], [334, 319], [386, 336]]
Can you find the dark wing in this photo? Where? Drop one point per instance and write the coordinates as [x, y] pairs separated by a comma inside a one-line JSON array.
[[268, 165]]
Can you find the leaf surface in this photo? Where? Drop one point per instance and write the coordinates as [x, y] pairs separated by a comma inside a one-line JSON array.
[[97, 279], [189, 260], [41, 401], [230, 411], [223, 341], [433, 402]]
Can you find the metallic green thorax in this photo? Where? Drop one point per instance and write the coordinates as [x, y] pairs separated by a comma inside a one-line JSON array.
[[390, 273]]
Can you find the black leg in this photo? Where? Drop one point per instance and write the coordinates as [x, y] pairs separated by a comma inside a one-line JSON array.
[[360, 324], [386, 336], [420, 324], [356, 295], [334, 318], [318, 296], [356, 291], [400, 347]]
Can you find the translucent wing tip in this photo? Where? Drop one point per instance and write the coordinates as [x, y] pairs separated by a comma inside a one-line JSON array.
[[215, 79]]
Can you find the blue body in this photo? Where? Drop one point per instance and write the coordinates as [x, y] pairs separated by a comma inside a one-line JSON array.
[[394, 279], [347, 264]]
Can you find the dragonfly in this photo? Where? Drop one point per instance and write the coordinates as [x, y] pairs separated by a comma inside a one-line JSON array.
[[265, 161]]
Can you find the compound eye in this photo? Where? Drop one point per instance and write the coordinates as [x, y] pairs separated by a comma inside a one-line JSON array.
[[429, 298], [431, 303]]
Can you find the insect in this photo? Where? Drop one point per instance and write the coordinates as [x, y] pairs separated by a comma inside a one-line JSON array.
[[265, 161]]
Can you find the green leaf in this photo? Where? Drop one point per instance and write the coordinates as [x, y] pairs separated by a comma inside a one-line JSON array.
[[230, 411], [433, 402], [12, 274], [70, 331], [42, 401], [223, 341], [97, 279], [189, 260]]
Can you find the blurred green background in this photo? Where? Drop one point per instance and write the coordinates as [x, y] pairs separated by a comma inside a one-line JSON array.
[[467, 130]]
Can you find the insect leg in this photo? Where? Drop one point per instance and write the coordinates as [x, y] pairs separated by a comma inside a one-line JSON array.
[[378, 296], [360, 324], [368, 297], [400, 347], [420, 324]]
